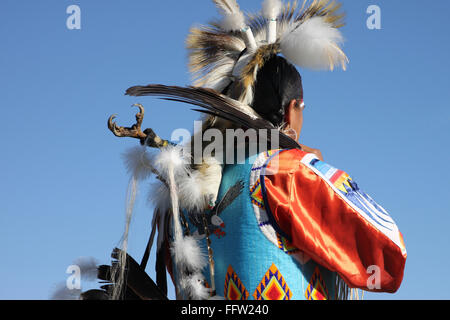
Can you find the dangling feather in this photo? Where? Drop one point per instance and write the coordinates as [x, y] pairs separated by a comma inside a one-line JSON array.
[[216, 105]]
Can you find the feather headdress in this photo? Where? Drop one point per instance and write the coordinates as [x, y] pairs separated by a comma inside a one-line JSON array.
[[231, 51]]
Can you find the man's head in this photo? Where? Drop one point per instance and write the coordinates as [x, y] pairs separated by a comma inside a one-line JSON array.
[[278, 95]]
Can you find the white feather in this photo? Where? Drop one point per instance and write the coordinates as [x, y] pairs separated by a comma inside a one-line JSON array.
[[219, 78], [187, 252], [314, 45], [137, 162], [227, 6], [271, 8]]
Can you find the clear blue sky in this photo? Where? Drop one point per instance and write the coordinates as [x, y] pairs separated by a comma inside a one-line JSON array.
[[385, 121]]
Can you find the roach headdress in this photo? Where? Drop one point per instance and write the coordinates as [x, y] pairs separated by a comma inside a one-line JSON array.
[[227, 54]]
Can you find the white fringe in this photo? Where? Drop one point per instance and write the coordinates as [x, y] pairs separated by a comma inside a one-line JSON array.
[[120, 272]]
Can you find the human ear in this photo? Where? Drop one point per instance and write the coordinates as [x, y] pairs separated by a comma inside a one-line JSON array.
[[290, 111]]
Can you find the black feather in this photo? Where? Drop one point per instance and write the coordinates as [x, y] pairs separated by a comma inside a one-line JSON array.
[[230, 196], [215, 104], [138, 285]]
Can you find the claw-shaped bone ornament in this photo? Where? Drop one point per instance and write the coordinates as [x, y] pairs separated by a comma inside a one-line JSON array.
[[147, 137]]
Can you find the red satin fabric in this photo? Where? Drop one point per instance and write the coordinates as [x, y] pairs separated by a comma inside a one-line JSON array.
[[329, 230]]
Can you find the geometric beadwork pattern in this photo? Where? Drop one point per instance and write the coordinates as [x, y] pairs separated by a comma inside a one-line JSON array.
[[317, 289], [256, 194], [261, 215], [234, 289], [286, 245], [273, 286]]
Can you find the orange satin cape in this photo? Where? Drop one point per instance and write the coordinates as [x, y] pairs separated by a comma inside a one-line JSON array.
[[323, 225]]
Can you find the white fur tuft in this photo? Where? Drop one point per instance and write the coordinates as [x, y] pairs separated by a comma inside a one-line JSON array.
[[314, 45], [187, 252], [233, 18], [190, 193], [171, 158], [159, 196], [195, 288], [233, 22], [271, 8], [196, 189], [137, 162]]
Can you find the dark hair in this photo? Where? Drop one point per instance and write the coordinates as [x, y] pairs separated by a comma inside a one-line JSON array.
[[278, 82]]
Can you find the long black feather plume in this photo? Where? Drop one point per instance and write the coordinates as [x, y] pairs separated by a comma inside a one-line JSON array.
[[215, 104]]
